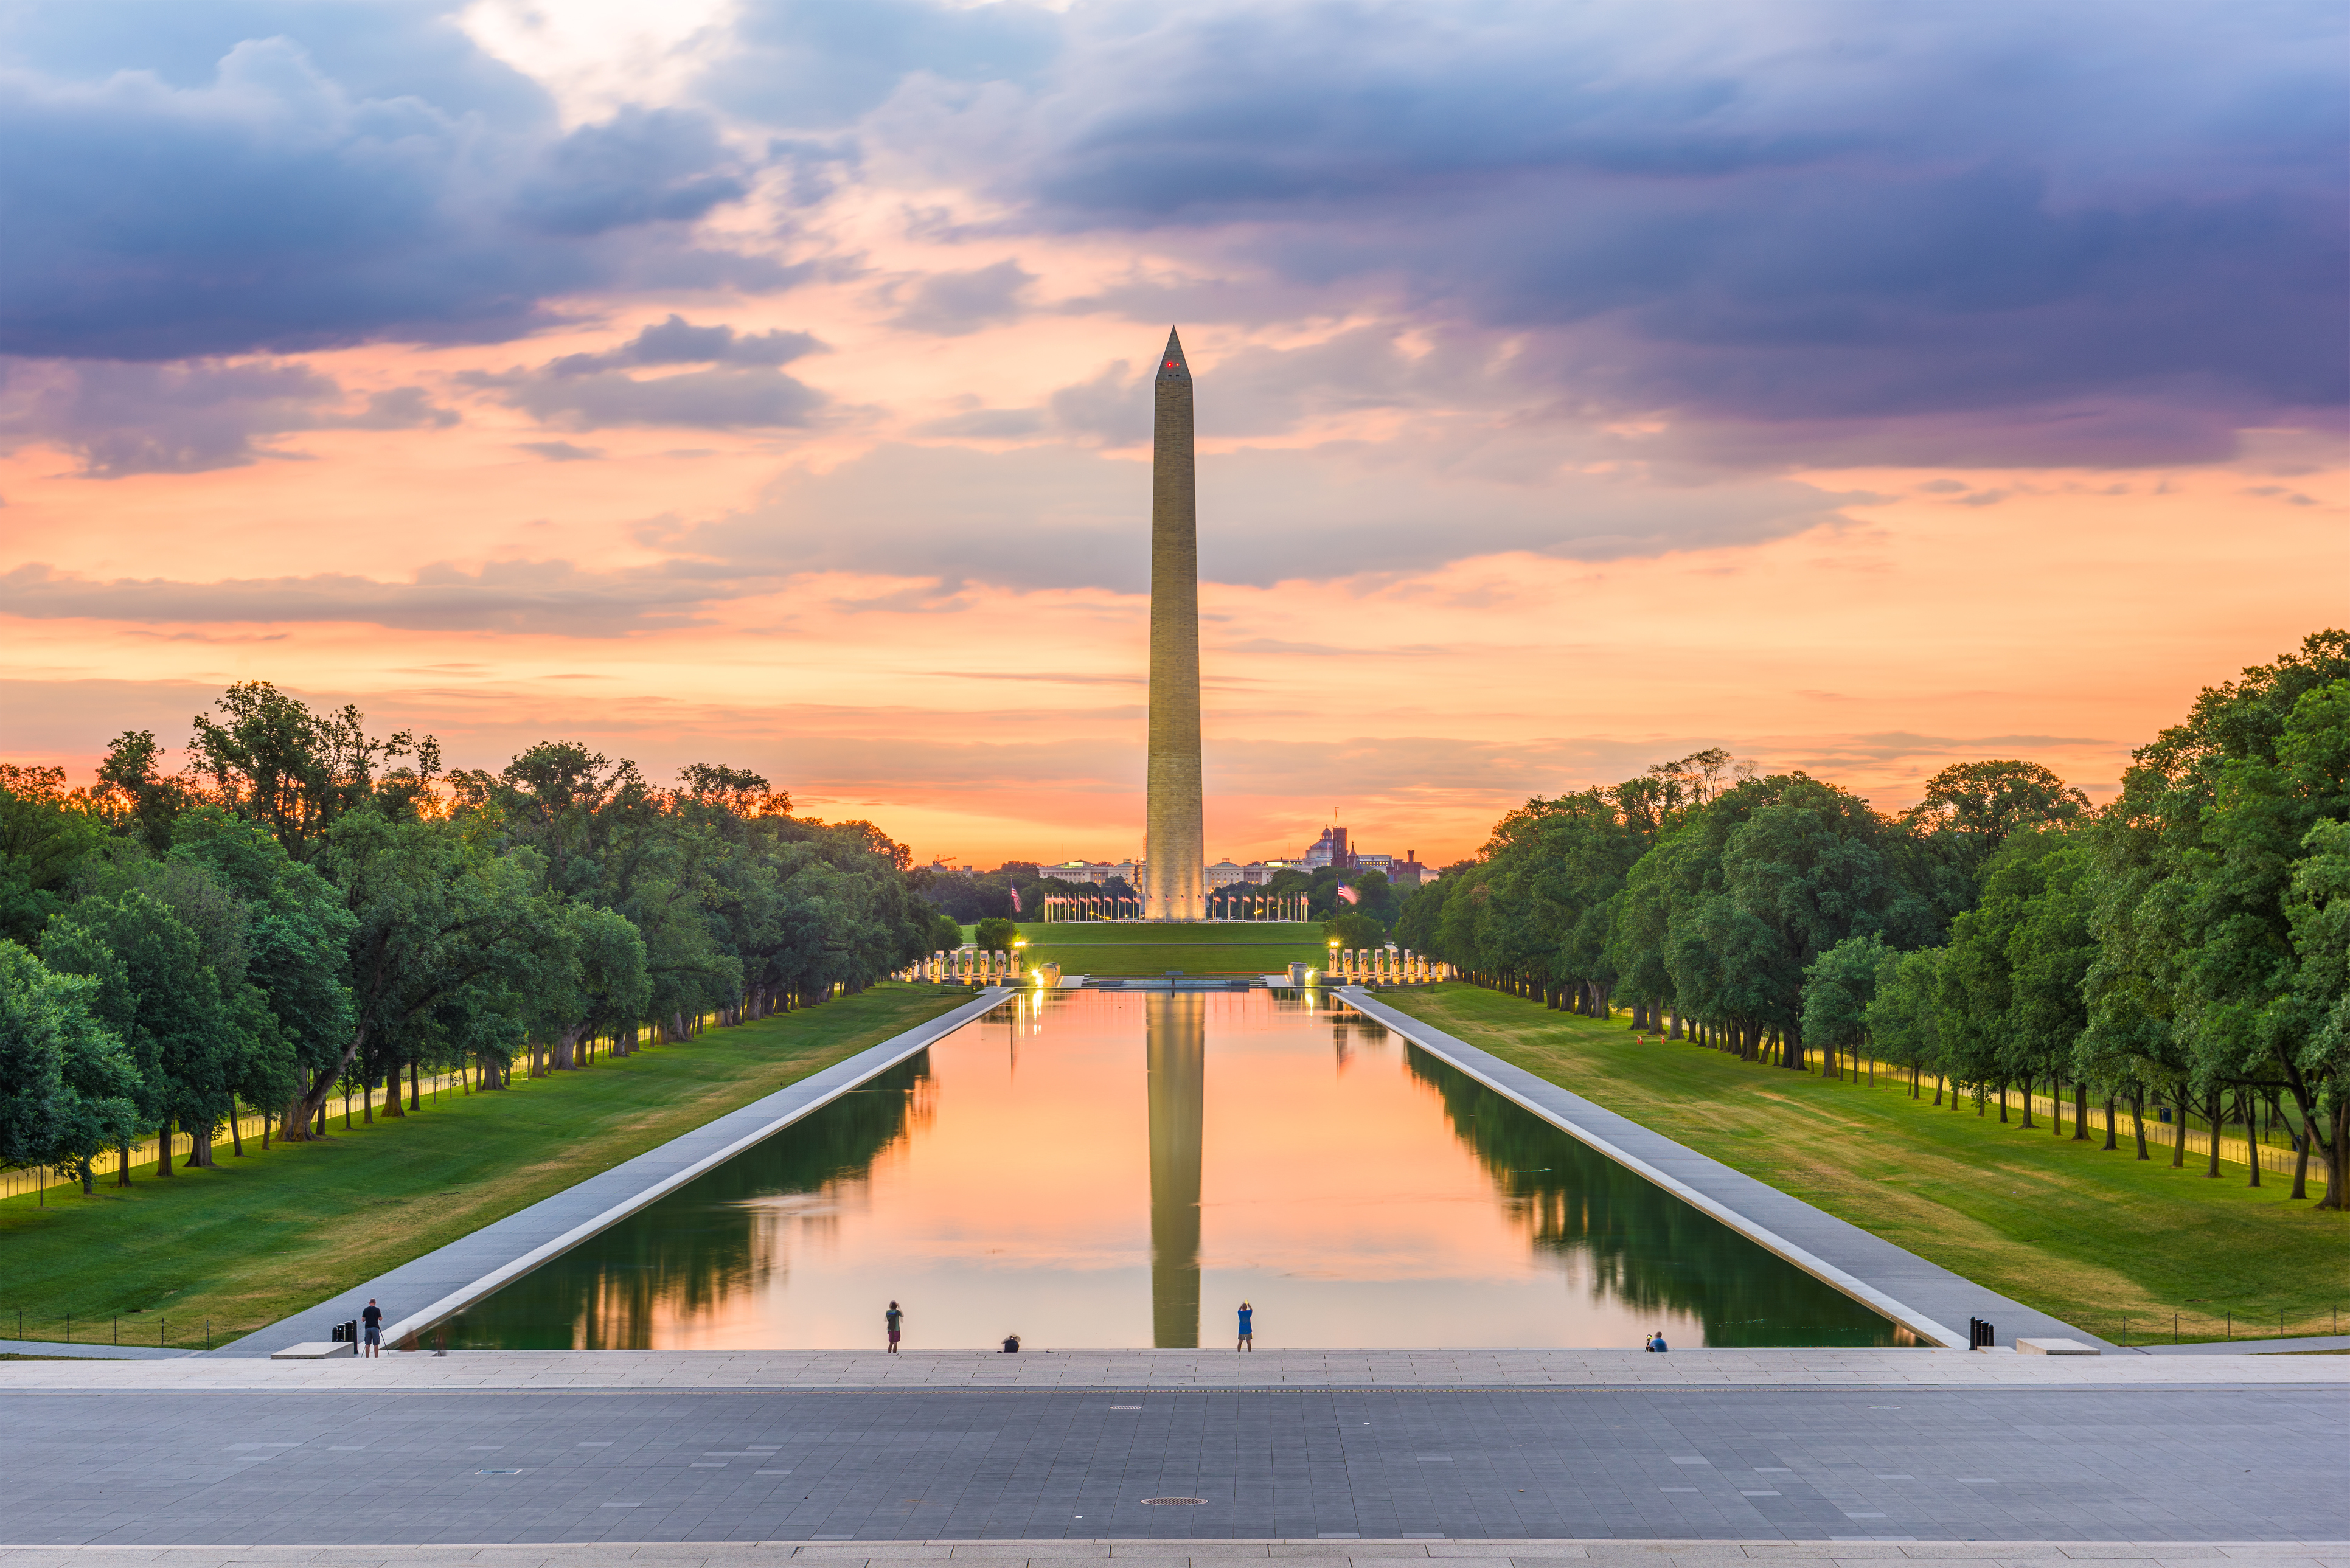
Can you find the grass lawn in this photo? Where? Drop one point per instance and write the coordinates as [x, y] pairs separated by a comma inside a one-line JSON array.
[[271, 1233], [1222, 946], [2063, 1225]]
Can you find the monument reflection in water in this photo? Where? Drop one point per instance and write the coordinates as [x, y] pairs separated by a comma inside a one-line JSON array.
[[1175, 1032], [1095, 1170]]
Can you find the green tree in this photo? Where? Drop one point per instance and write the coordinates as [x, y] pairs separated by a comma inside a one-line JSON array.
[[2244, 1000], [1375, 896], [1904, 1014], [135, 795], [2318, 912], [992, 935], [1355, 929], [297, 942], [601, 833], [1419, 924], [1571, 856], [2048, 958], [2010, 981], [1968, 810], [273, 761], [45, 837], [1741, 894], [2196, 969], [68, 1088], [1838, 987], [588, 979], [439, 922], [156, 993]]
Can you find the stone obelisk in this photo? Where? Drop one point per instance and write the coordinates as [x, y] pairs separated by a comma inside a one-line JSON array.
[[1175, 859]]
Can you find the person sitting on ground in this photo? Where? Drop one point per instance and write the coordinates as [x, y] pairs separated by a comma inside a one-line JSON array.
[[1656, 1341]]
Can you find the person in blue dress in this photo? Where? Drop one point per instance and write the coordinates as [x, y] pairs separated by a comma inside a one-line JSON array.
[[1248, 1329]]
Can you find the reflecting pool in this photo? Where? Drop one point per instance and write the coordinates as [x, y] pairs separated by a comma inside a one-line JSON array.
[[1090, 1170]]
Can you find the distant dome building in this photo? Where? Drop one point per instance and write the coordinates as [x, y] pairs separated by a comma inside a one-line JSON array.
[[1330, 849]]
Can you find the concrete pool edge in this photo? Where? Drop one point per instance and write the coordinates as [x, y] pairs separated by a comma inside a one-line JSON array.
[[1835, 1251], [1822, 1370], [1338, 1550], [454, 1276]]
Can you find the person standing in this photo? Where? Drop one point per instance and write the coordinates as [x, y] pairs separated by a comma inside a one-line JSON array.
[[894, 1318], [373, 1334], [1248, 1329]]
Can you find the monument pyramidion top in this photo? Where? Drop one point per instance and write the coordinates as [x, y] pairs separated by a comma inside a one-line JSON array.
[[1172, 367]]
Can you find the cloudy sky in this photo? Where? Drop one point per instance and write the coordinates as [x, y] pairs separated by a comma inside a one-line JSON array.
[[1861, 387]]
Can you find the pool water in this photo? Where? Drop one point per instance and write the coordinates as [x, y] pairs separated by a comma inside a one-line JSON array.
[[1095, 1170]]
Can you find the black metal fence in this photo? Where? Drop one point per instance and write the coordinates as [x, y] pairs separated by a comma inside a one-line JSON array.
[[143, 1329]]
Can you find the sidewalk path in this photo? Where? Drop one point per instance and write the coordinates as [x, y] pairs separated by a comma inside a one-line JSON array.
[[91, 1352], [557, 1371], [1322, 1465], [1930, 1300], [2248, 1346], [1196, 1554]]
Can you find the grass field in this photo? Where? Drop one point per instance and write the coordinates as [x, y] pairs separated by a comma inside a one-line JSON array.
[[1235, 947], [271, 1233], [2066, 1226]]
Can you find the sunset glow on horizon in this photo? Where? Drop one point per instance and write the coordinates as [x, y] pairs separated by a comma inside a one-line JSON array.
[[1577, 389]]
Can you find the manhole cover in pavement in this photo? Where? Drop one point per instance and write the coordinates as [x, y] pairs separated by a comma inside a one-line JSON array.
[[1171, 1502]]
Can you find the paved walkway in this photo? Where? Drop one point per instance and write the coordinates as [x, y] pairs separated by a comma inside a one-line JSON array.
[[1997, 1463], [1930, 1300], [91, 1352], [1046, 1371], [2249, 1346], [428, 1289], [1194, 1554]]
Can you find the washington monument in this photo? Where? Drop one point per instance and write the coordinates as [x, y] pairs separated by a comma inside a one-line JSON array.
[[1174, 848]]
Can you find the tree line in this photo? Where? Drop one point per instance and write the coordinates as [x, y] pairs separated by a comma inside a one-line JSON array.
[[304, 907], [2183, 945]]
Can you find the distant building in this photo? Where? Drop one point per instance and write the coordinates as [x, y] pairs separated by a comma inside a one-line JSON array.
[[1330, 849], [942, 868], [1095, 872], [1408, 872], [1375, 863], [1225, 873]]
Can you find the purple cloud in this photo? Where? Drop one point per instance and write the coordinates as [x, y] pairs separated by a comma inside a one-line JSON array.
[[2010, 221], [127, 419], [740, 388], [270, 205]]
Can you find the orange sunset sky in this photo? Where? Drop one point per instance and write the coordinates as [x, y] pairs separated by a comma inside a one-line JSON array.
[[769, 389]]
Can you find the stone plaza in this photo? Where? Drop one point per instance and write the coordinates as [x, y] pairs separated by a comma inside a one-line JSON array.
[[1454, 1455]]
